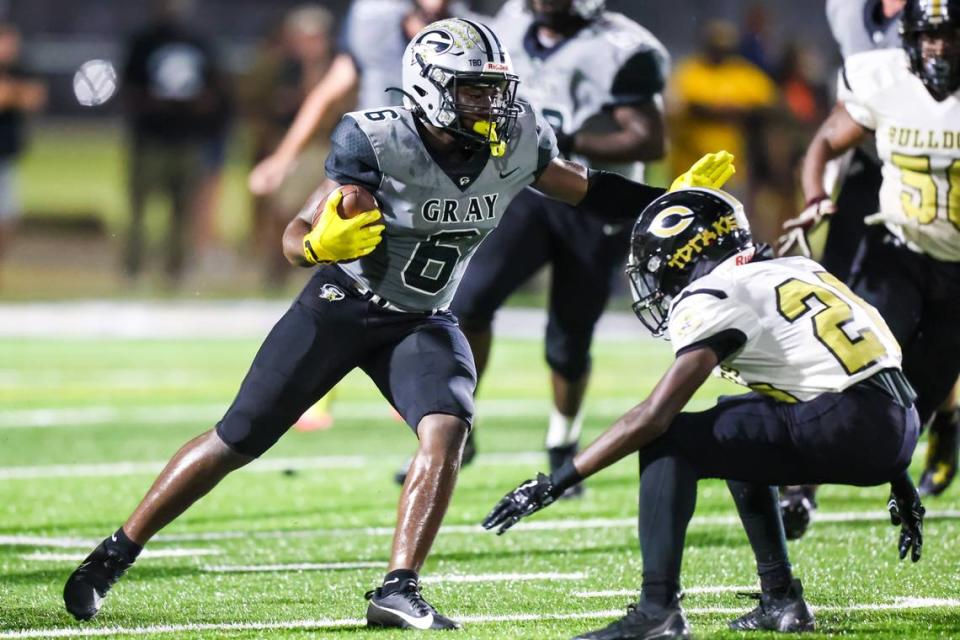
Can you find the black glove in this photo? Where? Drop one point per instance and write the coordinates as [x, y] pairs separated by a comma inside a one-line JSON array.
[[906, 511], [529, 497]]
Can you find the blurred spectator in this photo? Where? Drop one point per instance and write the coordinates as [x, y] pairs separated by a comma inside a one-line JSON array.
[[717, 98], [175, 95], [753, 43], [290, 64], [20, 94]]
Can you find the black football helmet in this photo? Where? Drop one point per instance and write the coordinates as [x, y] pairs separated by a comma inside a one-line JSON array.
[[679, 237], [565, 14], [940, 73]]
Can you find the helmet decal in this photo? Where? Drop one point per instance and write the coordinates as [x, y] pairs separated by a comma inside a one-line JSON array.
[[671, 221]]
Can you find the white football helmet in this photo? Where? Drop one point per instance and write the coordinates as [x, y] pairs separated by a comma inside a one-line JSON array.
[[451, 53]]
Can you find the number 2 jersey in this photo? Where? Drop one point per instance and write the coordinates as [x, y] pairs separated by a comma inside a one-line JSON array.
[[784, 327], [435, 213], [918, 140]]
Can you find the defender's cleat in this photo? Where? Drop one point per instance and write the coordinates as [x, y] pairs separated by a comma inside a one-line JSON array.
[[638, 624], [88, 585], [786, 613], [797, 505], [942, 448], [469, 453], [405, 609]]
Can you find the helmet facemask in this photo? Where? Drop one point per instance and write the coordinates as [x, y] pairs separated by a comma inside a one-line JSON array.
[[931, 38], [488, 100], [650, 303]]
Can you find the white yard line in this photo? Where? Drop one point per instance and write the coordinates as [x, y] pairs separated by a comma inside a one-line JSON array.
[[263, 465], [534, 526], [80, 632], [147, 553], [165, 414], [632, 593], [301, 566]]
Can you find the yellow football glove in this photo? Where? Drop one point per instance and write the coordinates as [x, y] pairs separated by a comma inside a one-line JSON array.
[[334, 239], [711, 171]]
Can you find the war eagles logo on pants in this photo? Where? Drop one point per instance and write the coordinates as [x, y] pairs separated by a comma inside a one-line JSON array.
[[331, 293]]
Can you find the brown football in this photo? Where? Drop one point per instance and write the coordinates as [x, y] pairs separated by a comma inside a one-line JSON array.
[[355, 201]]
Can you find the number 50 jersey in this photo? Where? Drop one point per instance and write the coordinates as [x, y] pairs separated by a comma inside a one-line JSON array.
[[918, 140], [783, 327], [435, 212]]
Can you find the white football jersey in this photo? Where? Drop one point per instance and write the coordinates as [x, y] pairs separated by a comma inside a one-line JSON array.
[[802, 331], [918, 140]]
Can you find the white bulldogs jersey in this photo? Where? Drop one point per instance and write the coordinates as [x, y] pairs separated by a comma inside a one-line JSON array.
[[803, 332], [918, 140]]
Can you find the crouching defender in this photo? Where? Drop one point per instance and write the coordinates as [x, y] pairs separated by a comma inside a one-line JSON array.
[[443, 169], [829, 405]]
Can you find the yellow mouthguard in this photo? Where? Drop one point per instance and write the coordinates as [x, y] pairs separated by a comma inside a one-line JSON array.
[[489, 129]]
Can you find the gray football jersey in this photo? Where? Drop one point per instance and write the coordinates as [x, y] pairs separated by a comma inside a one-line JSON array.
[[373, 36], [856, 29], [435, 216], [611, 61]]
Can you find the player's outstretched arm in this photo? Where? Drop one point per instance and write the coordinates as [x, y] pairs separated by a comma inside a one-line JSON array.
[[634, 430], [330, 238], [613, 197], [337, 85], [838, 134]]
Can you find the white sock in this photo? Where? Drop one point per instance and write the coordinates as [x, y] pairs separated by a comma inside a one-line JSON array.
[[563, 431]]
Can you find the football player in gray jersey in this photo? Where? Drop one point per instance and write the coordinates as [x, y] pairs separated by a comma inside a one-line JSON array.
[[443, 168], [596, 77]]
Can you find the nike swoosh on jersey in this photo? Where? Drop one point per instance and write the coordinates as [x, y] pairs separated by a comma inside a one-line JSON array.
[[422, 623], [509, 173]]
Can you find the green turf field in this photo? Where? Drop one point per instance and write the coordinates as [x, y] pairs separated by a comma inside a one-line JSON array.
[[287, 547]]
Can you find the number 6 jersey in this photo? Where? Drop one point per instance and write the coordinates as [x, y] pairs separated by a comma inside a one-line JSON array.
[[918, 140], [435, 215], [783, 327]]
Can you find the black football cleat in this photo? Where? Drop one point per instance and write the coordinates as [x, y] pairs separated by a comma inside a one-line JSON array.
[[797, 504], [405, 609], [469, 453], [88, 585], [942, 448], [785, 613], [638, 624]]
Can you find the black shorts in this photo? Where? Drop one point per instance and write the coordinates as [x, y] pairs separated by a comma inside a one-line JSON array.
[[585, 255], [919, 297], [859, 436], [421, 363]]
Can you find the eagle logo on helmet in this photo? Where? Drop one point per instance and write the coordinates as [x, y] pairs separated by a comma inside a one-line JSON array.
[[441, 41]]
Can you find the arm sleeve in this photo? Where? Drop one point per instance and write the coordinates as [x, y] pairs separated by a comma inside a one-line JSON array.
[[612, 197], [546, 142], [711, 318], [352, 159], [853, 100], [640, 79]]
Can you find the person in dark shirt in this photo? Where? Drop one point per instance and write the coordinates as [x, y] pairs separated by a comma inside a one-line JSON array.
[[20, 95], [175, 96]]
